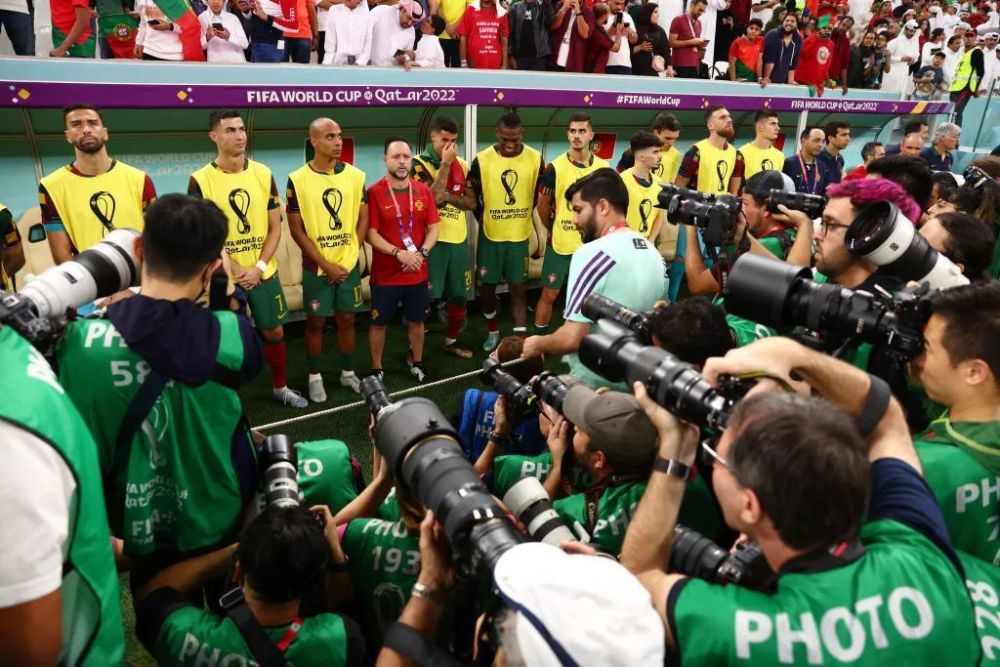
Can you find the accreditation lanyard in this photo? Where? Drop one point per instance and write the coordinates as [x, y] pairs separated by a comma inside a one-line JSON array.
[[615, 227], [815, 176], [289, 635], [404, 232]]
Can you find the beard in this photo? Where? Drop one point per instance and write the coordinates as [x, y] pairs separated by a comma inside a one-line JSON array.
[[726, 132], [95, 145], [589, 229]]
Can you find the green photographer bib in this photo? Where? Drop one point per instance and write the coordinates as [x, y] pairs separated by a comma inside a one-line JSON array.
[[89, 591], [901, 603], [179, 489], [982, 581], [326, 476], [967, 492]]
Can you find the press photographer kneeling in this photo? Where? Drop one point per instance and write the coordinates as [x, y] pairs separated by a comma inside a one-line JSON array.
[[866, 572]]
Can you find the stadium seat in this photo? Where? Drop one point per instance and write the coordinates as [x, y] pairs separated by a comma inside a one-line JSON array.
[[289, 258], [37, 256], [536, 245]]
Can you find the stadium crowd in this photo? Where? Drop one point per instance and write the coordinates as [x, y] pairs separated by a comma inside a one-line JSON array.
[[762, 494]]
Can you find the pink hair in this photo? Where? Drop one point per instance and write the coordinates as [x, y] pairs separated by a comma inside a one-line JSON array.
[[863, 192]]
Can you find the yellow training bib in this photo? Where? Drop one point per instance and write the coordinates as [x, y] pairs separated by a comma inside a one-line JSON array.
[[453, 227], [243, 197], [715, 167], [642, 211], [670, 164], [508, 192], [329, 205], [91, 206], [565, 236], [756, 160]]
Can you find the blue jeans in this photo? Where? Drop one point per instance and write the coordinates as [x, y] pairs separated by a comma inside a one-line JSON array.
[[20, 29], [617, 69], [266, 53], [297, 50]]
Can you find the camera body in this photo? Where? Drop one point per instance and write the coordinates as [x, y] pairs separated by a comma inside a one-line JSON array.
[[811, 205], [521, 400], [695, 555], [715, 215]]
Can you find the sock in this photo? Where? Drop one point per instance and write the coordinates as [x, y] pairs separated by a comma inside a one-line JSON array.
[[274, 354], [521, 332], [347, 361], [346, 372], [541, 329], [315, 375], [314, 363], [456, 314], [492, 323]]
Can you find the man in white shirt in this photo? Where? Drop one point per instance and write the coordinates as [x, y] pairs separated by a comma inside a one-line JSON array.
[[392, 30], [158, 37], [222, 34], [620, 61], [348, 34]]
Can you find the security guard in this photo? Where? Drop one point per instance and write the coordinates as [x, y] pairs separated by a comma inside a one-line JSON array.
[[968, 76]]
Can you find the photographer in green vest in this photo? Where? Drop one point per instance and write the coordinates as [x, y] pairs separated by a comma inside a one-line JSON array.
[[960, 450], [832, 493]]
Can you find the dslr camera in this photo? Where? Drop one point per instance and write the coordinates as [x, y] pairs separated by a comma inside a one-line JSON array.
[[811, 205], [695, 555], [523, 399], [714, 215], [40, 311]]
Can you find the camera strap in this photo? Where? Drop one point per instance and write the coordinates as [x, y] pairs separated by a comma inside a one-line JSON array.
[[136, 413], [265, 651], [407, 641], [592, 497]]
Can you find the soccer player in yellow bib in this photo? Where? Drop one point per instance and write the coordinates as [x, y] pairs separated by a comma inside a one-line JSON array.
[[327, 215], [760, 154], [643, 187], [556, 214], [503, 184], [708, 167], [246, 192], [84, 200], [11, 252], [449, 263], [667, 129]]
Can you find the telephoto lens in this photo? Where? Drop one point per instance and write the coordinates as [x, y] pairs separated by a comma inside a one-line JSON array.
[[530, 503], [521, 401], [551, 390], [424, 455], [598, 307], [279, 469], [695, 555], [811, 205]]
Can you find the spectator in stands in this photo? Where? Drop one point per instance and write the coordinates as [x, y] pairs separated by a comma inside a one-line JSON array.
[[569, 31], [806, 171], [528, 28], [620, 60], [71, 29], [651, 52], [392, 31], [938, 154], [928, 82], [600, 43], [840, 60], [935, 42], [266, 42], [348, 34], [838, 138], [904, 52], [918, 126], [875, 61], [782, 50], [158, 37], [817, 56], [746, 54], [685, 40], [764, 10], [483, 33], [872, 150], [300, 44], [17, 20], [428, 53], [222, 34], [952, 54]]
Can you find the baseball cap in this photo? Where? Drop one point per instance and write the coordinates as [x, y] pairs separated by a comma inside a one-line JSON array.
[[616, 425], [760, 184], [577, 609]]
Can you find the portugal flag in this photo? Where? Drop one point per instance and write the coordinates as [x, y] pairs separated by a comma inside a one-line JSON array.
[[118, 27], [180, 12]]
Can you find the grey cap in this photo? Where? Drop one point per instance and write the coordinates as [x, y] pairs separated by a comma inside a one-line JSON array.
[[616, 425]]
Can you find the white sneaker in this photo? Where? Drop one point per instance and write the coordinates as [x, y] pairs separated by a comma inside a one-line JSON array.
[[351, 381], [291, 398], [317, 393]]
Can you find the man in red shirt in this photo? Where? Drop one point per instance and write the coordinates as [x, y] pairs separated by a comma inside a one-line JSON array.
[[71, 33], [686, 42], [817, 54], [484, 34], [402, 229]]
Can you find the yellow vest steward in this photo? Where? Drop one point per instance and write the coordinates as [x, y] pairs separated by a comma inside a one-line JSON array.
[[453, 227], [965, 76], [508, 192], [642, 211], [329, 206], [565, 236], [243, 197], [715, 167], [756, 160], [88, 205], [670, 164]]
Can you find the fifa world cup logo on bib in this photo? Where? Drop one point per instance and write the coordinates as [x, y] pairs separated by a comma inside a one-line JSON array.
[[766, 164], [239, 201], [645, 208], [333, 199], [722, 170], [103, 206], [508, 179]]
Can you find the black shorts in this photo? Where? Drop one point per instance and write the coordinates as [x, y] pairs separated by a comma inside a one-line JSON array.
[[385, 298]]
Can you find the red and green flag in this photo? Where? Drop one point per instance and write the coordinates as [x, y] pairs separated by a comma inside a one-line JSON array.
[[118, 27], [181, 13]]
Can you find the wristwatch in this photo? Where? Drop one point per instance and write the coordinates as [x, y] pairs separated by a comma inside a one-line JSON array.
[[674, 468], [425, 252]]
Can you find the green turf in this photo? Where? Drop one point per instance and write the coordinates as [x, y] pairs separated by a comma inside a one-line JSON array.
[[351, 425]]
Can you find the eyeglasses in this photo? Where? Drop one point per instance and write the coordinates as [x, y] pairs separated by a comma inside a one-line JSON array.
[[825, 226], [710, 456]]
